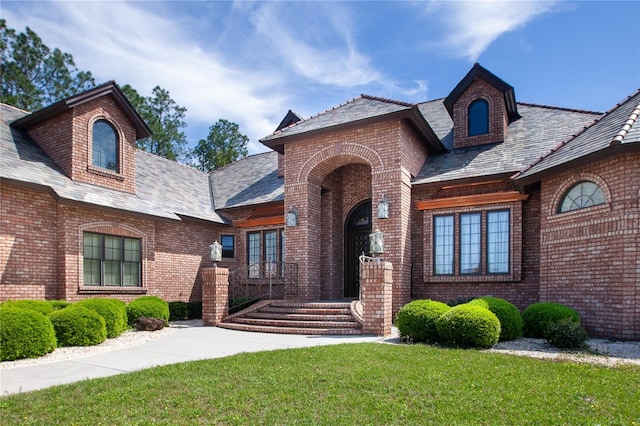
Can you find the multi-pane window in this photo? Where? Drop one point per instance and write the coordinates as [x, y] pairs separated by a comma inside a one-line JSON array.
[[475, 243], [478, 116], [443, 245], [228, 243], [111, 261], [264, 248], [105, 146], [581, 195], [470, 243]]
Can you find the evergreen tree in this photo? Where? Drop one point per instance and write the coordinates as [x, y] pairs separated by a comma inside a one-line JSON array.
[[224, 145]]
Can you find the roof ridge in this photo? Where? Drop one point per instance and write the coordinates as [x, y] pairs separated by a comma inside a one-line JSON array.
[[631, 120], [559, 108], [388, 100], [15, 107]]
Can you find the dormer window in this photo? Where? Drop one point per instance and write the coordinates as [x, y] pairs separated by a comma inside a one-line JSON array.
[[478, 114], [105, 146]]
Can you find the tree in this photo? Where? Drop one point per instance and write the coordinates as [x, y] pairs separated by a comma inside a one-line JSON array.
[[165, 119], [33, 75], [224, 145]]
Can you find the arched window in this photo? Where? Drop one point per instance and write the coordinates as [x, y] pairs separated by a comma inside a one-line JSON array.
[[105, 146], [478, 114], [581, 195]]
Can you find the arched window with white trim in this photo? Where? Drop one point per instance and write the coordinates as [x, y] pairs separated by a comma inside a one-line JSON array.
[[581, 195]]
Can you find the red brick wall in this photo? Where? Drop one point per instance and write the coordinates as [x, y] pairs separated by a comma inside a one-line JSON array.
[[498, 119], [67, 139], [590, 258], [520, 287], [41, 255]]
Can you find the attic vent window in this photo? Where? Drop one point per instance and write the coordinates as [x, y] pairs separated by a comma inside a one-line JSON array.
[[478, 114], [105, 146], [582, 195]]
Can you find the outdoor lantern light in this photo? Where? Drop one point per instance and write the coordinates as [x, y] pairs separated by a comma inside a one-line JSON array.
[[292, 216], [383, 208], [215, 250], [376, 243]]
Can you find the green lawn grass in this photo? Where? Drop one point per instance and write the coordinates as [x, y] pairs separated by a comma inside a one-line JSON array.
[[352, 384]]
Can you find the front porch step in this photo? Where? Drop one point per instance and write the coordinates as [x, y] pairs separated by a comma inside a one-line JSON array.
[[293, 317]]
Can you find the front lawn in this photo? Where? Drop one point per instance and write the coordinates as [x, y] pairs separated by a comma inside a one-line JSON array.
[[350, 384]]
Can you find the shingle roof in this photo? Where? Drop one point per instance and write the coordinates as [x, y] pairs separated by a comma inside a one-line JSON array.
[[618, 126], [251, 180], [536, 132], [163, 188]]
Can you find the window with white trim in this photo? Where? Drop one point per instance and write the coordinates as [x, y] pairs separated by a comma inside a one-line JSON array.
[[581, 195], [110, 260]]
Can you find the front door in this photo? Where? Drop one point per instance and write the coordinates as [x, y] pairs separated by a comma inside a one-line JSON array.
[[357, 230]]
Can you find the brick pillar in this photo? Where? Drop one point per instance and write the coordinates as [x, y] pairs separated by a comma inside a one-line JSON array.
[[215, 295], [376, 296]]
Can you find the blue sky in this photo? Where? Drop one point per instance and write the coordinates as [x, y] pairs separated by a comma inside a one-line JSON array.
[[251, 61]]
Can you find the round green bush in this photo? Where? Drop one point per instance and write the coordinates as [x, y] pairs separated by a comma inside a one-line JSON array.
[[508, 314], [148, 307], [42, 306], [417, 320], [469, 326], [59, 304], [113, 311], [78, 326], [537, 317], [24, 333]]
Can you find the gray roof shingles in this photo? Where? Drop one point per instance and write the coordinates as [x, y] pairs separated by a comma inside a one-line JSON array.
[[538, 130], [251, 180], [163, 188], [597, 137]]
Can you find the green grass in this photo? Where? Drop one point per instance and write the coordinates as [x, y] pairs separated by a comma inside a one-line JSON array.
[[344, 385]]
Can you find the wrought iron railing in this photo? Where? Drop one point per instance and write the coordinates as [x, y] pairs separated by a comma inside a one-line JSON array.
[[260, 281]]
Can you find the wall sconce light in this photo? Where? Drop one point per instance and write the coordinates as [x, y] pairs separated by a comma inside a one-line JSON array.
[[383, 208], [215, 252], [376, 243], [292, 216]]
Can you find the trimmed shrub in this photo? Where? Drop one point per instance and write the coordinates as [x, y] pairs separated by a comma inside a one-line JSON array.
[[59, 304], [78, 326], [113, 311], [460, 300], [148, 307], [537, 317], [508, 314], [178, 311], [195, 310], [42, 306], [417, 320], [24, 333], [469, 326], [566, 333]]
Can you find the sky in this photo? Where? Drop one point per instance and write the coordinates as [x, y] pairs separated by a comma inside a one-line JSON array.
[[249, 62]]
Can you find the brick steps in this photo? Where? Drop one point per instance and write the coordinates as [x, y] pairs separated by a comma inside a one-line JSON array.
[[290, 317]]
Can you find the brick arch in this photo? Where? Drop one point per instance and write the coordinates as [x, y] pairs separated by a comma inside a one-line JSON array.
[[574, 179], [323, 162]]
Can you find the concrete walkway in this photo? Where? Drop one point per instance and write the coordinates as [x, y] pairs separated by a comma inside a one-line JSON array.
[[184, 344]]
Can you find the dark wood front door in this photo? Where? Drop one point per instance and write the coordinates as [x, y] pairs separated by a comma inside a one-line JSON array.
[[357, 230]]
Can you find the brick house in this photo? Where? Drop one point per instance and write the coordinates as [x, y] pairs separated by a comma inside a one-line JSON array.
[[476, 194]]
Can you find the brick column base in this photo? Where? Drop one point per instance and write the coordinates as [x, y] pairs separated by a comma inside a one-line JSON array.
[[376, 281], [215, 295]]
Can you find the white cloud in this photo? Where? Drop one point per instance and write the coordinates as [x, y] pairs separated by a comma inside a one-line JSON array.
[[471, 26]]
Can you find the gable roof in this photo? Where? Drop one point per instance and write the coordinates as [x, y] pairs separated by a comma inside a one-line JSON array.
[[355, 112], [164, 189], [618, 127], [539, 129], [109, 88], [482, 73], [251, 180]]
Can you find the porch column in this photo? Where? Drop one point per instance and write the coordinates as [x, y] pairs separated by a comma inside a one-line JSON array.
[[215, 295], [376, 296]]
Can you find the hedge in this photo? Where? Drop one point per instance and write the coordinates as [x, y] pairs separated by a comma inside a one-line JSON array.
[[537, 317], [78, 326], [148, 307], [113, 311], [508, 314], [24, 333], [42, 306], [417, 320], [469, 326]]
